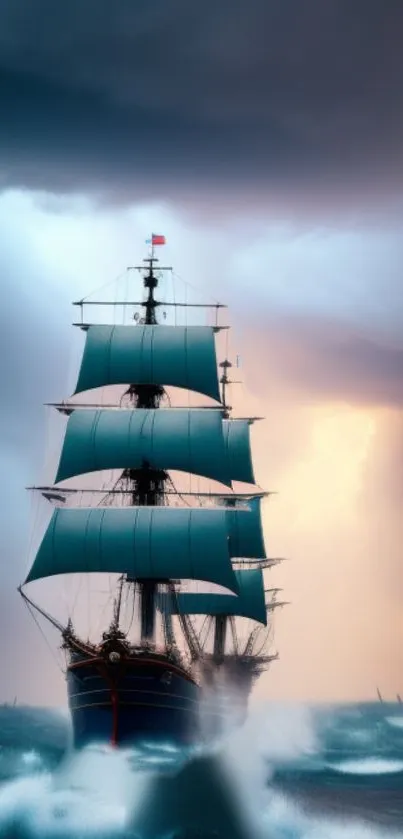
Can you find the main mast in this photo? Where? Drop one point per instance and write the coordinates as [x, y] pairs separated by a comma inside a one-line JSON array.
[[147, 484]]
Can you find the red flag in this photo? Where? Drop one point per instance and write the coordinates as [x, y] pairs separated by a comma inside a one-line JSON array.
[[156, 239]]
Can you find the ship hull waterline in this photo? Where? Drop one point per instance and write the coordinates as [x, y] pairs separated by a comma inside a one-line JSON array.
[[138, 699]]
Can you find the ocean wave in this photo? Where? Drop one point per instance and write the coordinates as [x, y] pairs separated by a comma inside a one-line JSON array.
[[301, 773], [397, 722], [285, 819], [370, 766]]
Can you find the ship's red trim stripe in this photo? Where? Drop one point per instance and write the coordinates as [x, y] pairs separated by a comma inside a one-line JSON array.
[[115, 709], [115, 716], [132, 663]]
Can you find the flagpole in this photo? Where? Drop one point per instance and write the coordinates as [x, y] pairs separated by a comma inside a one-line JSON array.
[[159, 240]]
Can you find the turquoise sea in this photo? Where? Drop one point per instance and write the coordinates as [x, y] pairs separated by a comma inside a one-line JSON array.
[[293, 771]]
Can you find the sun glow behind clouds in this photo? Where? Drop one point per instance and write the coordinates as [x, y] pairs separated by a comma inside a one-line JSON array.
[[329, 478], [320, 488], [330, 582]]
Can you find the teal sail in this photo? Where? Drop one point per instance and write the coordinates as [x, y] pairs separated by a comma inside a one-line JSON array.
[[179, 356], [249, 603], [237, 440], [184, 440], [156, 543], [187, 440], [245, 531]]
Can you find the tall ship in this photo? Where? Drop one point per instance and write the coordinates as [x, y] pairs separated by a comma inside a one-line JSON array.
[[191, 612]]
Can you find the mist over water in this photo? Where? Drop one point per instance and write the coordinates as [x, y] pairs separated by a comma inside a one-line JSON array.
[[295, 772]]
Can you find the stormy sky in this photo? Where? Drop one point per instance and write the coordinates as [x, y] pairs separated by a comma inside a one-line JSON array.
[[135, 98], [265, 141]]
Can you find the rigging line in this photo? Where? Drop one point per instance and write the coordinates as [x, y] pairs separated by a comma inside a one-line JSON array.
[[271, 634], [64, 597], [261, 633], [174, 298], [210, 630], [205, 623], [178, 493], [106, 498], [102, 287], [116, 291], [186, 300], [188, 283], [234, 633], [250, 642], [103, 611], [77, 586], [52, 652], [127, 295], [133, 599], [121, 400], [263, 645]]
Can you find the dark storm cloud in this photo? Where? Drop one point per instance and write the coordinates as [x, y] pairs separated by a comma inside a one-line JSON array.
[[113, 96]]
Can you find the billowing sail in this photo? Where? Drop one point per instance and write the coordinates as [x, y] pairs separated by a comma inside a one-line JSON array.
[[180, 356], [156, 543], [245, 531], [237, 438], [186, 440], [249, 603]]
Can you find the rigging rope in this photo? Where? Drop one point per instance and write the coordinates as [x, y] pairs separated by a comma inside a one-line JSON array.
[[190, 285], [133, 608], [52, 652], [102, 287]]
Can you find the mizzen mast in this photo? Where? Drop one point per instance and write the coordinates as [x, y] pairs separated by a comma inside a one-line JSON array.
[[221, 621]]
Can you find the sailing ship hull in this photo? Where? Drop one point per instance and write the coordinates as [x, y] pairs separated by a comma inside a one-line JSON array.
[[138, 699]]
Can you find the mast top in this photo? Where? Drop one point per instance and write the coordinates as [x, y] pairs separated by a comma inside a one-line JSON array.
[[156, 239]]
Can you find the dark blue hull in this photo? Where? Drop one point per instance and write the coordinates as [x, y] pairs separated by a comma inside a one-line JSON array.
[[147, 699]]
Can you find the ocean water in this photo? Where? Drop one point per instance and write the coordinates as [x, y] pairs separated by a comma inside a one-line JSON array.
[[294, 772]]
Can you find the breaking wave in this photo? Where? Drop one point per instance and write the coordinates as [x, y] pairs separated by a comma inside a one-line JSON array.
[[297, 772], [372, 766]]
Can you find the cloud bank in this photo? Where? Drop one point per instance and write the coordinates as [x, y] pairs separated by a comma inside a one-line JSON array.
[[141, 98]]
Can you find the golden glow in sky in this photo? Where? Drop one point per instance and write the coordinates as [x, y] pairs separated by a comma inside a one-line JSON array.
[[328, 478]]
